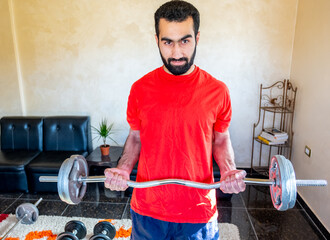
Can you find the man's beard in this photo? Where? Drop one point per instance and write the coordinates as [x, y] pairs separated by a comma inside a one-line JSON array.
[[178, 70]]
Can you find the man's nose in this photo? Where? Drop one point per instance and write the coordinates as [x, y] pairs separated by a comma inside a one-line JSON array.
[[176, 51]]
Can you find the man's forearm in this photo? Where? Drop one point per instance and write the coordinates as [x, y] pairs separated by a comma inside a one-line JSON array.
[[223, 152], [131, 152]]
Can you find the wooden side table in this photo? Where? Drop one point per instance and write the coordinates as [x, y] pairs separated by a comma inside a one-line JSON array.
[[96, 161]]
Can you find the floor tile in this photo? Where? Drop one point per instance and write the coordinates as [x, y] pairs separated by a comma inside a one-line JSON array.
[[10, 195], [240, 218], [235, 202], [44, 196], [96, 210], [127, 212], [276, 225], [45, 207], [259, 197], [5, 204], [96, 192], [52, 207]]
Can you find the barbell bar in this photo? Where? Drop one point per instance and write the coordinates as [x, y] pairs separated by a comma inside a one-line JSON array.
[[73, 178], [155, 183], [96, 179]]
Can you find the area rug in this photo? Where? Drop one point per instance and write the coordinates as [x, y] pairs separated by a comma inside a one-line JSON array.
[[48, 227]]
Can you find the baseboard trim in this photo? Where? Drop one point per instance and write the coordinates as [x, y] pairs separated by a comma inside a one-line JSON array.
[[311, 214]]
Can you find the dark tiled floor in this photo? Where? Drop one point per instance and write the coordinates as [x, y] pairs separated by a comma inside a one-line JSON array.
[[251, 211]]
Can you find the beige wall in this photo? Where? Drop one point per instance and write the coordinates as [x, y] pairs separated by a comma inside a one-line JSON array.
[[10, 102], [311, 73], [81, 57]]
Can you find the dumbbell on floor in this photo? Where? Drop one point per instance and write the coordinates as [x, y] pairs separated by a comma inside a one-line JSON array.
[[103, 231], [26, 213], [74, 230]]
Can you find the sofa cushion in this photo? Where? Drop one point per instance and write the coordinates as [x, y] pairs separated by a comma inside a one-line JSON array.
[[14, 161], [67, 133], [51, 161], [13, 181], [21, 133]]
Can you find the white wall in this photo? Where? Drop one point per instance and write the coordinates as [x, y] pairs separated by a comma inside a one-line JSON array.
[[81, 57], [311, 73]]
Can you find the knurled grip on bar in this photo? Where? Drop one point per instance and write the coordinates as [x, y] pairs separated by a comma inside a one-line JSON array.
[[306, 183]]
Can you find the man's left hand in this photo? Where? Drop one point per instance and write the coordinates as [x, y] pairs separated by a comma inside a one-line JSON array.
[[232, 181]]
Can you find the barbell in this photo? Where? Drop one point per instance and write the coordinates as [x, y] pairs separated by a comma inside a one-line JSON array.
[[73, 178], [26, 213]]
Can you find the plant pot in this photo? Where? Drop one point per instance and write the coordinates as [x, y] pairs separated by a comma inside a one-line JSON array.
[[105, 150]]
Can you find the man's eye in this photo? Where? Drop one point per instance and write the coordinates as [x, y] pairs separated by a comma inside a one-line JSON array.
[[167, 42], [185, 41]]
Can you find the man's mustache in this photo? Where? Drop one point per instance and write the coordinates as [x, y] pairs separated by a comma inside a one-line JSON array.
[[177, 60]]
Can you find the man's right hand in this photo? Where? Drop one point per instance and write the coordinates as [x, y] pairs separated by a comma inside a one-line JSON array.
[[116, 179]]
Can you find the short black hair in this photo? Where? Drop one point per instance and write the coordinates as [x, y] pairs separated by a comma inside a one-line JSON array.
[[177, 11]]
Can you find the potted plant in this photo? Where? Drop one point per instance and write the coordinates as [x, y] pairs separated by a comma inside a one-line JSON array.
[[104, 131]]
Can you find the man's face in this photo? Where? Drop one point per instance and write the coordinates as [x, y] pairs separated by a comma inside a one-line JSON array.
[[177, 45]]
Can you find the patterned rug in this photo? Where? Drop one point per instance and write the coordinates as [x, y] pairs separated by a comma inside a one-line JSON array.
[[48, 227]]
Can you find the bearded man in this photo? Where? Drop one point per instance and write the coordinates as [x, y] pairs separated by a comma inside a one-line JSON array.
[[179, 117]]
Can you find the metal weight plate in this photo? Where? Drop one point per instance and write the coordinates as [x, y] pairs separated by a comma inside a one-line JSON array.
[[63, 180], [70, 189], [78, 189], [31, 211], [284, 191], [76, 227], [100, 237], [66, 236], [105, 228]]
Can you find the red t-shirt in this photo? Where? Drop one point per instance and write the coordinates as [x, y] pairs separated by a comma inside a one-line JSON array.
[[176, 116]]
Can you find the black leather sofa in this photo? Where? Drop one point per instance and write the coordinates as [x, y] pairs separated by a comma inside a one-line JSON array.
[[21, 142], [36, 146]]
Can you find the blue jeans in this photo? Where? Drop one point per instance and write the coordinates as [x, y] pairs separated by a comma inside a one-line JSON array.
[[148, 228]]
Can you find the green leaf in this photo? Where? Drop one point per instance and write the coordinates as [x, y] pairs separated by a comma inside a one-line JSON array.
[[104, 131]]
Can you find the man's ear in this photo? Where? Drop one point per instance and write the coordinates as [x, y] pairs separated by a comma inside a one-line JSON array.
[[197, 38], [156, 37]]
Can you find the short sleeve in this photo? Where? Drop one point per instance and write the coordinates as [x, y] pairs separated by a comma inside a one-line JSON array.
[[224, 112], [132, 110]]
